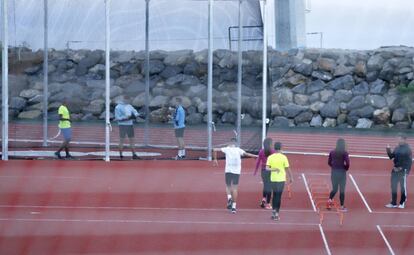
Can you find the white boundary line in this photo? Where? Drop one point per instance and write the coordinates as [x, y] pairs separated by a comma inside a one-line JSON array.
[[360, 193], [385, 240], [325, 242], [140, 208], [398, 226], [154, 221], [307, 189]]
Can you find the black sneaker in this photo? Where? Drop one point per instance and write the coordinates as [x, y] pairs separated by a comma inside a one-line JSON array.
[[134, 156], [233, 210], [229, 203], [57, 154], [69, 156]]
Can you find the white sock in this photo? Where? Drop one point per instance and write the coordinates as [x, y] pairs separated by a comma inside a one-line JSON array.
[[183, 152], [228, 197], [179, 153], [234, 205]]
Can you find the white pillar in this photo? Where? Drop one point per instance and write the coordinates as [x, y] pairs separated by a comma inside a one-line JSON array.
[[5, 82], [239, 73], [264, 84], [45, 71], [107, 79], [147, 74], [210, 81]]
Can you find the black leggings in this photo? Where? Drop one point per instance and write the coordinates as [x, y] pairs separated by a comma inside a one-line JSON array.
[[398, 178], [267, 190], [277, 188], [338, 178]]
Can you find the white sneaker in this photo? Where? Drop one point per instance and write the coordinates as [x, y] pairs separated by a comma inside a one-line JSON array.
[[391, 205], [401, 206]]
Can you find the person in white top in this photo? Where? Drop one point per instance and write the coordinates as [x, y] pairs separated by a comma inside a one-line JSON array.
[[232, 170]]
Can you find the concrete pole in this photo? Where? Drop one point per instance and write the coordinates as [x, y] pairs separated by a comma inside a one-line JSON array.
[[239, 73], [45, 72], [147, 74], [264, 87], [5, 82]]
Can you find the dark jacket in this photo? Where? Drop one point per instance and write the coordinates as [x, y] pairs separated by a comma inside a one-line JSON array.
[[339, 161], [402, 156]]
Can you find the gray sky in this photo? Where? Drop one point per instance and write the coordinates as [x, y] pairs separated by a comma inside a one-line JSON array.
[[361, 24]]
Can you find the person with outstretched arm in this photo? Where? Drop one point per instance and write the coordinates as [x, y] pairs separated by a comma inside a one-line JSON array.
[[232, 170], [279, 167], [402, 158], [125, 114], [65, 128]]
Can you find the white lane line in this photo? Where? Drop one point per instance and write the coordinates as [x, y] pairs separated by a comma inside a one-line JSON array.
[[386, 240], [142, 208], [394, 212], [360, 193], [325, 242], [309, 193], [154, 222], [398, 226]]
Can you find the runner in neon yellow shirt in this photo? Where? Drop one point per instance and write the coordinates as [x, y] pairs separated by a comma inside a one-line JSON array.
[[278, 164], [65, 128]]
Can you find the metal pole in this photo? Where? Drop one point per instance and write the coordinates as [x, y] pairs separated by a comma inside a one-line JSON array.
[[5, 87], [45, 72], [147, 74], [239, 74], [210, 80], [264, 88], [107, 78]]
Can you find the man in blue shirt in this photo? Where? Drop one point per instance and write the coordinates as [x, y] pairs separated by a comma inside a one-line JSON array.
[[179, 127], [124, 114]]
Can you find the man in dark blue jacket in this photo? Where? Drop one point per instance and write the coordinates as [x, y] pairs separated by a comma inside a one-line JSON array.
[[402, 157]]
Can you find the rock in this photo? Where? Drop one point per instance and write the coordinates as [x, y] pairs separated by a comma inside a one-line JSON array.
[[32, 70], [139, 101], [194, 119], [17, 103], [304, 68], [199, 90], [36, 99], [326, 64], [276, 111], [382, 116], [247, 120], [280, 122], [30, 93], [356, 102], [283, 96], [361, 69], [345, 82], [329, 123], [364, 112], [402, 125], [330, 110], [228, 61], [316, 121], [315, 86], [343, 95], [342, 70], [156, 67], [343, 107], [412, 125], [324, 76], [159, 101], [296, 80], [170, 71], [377, 101], [229, 117], [301, 99], [292, 110], [314, 97], [115, 91], [304, 117], [159, 115], [134, 89], [95, 84], [201, 57], [375, 62], [399, 115], [393, 101], [128, 80], [87, 62], [326, 95], [176, 58], [38, 106], [95, 107], [378, 87], [341, 119], [194, 68], [317, 106], [300, 89], [98, 69], [89, 117], [34, 114], [182, 80], [404, 70], [352, 120], [361, 89], [122, 56], [364, 123]]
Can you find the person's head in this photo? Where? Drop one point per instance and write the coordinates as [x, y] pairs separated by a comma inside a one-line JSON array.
[[65, 101], [340, 145], [178, 101], [278, 146], [267, 146], [402, 138], [233, 141]]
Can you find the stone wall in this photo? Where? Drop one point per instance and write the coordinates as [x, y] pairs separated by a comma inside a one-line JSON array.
[[311, 87]]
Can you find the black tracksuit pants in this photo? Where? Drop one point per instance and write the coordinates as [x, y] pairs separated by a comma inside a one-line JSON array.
[[398, 178], [338, 178]]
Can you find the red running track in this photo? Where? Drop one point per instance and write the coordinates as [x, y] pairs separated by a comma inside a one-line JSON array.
[[170, 207]]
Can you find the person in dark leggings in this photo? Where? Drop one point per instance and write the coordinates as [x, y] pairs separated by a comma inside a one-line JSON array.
[[403, 158], [339, 163], [278, 165], [261, 162]]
